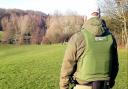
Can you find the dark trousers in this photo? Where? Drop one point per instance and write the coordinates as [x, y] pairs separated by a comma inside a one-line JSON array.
[[100, 85]]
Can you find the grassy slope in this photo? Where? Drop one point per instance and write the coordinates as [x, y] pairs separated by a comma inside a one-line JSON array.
[[38, 67]]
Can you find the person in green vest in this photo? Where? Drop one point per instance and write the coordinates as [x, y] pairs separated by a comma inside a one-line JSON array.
[[91, 59]]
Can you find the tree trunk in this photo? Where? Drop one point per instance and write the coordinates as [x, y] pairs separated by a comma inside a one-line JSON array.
[[125, 33]]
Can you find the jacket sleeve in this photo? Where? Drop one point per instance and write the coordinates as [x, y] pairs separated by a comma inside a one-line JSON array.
[[68, 63], [115, 63], [75, 49]]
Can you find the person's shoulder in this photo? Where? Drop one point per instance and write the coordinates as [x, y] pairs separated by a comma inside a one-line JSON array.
[[78, 35], [76, 38]]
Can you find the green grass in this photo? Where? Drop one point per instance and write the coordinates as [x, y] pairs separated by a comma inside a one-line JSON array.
[[38, 67], [122, 78], [30, 67]]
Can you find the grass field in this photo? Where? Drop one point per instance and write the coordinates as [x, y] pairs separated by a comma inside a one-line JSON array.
[[38, 67]]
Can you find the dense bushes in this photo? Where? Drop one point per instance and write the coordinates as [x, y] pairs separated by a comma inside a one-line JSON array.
[[60, 28]]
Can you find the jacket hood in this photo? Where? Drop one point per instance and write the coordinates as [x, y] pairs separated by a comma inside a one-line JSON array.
[[94, 25]]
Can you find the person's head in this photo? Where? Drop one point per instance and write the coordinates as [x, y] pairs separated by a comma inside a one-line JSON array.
[[93, 10]]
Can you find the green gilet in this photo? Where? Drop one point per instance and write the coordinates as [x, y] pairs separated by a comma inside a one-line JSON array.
[[95, 62]]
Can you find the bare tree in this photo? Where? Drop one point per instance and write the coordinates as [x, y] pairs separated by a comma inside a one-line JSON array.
[[118, 10], [25, 26], [61, 28], [8, 29]]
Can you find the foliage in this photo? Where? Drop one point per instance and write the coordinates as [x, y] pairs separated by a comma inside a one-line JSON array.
[[38, 67]]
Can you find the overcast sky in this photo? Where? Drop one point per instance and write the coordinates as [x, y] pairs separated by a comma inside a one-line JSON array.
[[48, 6]]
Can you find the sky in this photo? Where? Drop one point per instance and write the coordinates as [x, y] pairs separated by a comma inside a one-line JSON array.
[[48, 6]]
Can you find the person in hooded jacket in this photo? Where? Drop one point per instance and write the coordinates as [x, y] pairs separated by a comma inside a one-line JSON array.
[[91, 59]]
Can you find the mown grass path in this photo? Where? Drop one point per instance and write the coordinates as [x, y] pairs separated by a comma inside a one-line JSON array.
[[38, 67]]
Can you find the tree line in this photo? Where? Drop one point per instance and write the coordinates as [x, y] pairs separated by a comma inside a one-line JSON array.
[[33, 27]]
